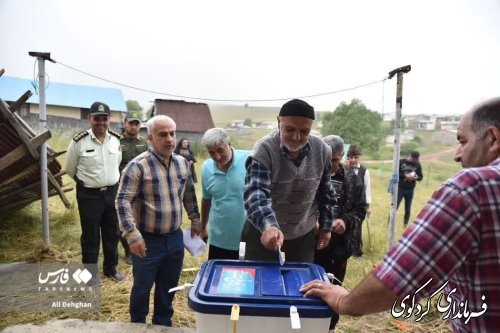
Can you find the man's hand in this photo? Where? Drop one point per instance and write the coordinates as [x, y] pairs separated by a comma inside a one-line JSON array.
[[272, 238], [204, 234], [323, 239], [195, 230], [338, 226], [331, 294], [368, 210], [138, 248]]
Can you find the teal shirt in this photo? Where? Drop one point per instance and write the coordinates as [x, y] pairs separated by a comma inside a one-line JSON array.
[[225, 190]]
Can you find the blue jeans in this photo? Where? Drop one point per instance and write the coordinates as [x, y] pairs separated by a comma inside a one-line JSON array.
[[408, 195], [162, 267]]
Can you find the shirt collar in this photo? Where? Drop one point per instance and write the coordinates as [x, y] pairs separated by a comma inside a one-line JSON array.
[[92, 135], [159, 158], [356, 167]]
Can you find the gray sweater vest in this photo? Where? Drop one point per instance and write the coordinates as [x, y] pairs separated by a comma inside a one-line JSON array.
[[293, 188]]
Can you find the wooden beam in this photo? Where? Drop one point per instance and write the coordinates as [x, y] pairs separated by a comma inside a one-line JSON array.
[[31, 168], [30, 132], [19, 152], [56, 186], [20, 190], [15, 124], [54, 155], [22, 173], [24, 202], [17, 104]]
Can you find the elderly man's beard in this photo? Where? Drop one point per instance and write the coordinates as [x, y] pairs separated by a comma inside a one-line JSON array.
[[293, 150]]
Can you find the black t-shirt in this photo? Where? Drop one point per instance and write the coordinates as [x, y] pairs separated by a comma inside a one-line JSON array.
[[408, 167]]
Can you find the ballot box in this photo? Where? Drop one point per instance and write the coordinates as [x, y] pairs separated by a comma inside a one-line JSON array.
[[257, 296]]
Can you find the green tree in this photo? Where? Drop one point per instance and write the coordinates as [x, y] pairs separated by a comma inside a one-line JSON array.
[[356, 124], [248, 122], [133, 105], [150, 113]]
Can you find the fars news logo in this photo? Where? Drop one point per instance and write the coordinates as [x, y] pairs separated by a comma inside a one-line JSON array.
[[62, 276]]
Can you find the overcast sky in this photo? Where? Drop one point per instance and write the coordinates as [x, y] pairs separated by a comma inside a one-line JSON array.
[[253, 50]]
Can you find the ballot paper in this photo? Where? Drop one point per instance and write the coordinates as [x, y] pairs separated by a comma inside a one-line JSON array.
[[194, 245], [281, 256]]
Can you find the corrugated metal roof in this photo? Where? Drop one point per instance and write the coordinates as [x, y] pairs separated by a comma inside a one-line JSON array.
[[62, 94], [188, 116]]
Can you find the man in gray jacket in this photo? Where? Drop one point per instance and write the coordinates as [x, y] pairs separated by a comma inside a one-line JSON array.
[[288, 189]]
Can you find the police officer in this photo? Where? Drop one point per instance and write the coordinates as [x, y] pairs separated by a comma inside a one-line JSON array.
[[92, 160], [132, 144]]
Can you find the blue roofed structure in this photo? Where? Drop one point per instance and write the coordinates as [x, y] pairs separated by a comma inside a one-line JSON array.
[[63, 100], [62, 94]]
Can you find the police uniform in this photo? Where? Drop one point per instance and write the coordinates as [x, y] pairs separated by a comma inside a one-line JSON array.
[[94, 167], [131, 148]]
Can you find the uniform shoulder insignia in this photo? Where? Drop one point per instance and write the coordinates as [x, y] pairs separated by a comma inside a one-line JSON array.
[[114, 133], [80, 135]]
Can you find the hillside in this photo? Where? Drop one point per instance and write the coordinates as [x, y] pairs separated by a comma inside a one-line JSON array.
[[224, 114]]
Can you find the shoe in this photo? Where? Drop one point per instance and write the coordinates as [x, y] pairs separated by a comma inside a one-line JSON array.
[[117, 277], [128, 259]]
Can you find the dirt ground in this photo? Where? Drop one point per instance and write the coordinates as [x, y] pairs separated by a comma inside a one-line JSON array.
[[81, 326]]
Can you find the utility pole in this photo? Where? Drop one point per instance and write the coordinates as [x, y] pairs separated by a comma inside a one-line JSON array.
[[393, 185], [41, 57]]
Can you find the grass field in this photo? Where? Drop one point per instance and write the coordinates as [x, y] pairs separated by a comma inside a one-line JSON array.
[[224, 114], [21, 240]]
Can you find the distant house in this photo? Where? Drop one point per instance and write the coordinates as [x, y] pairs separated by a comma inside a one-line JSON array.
[[436, 122], [66, 104], [192, 119], [448, 122], [237, 123], [426, 123], [266, 124]]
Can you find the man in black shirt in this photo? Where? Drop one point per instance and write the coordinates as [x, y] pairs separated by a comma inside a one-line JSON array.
[[410, 171]]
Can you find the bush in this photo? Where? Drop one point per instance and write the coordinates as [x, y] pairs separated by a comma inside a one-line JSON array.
[[407, 147]]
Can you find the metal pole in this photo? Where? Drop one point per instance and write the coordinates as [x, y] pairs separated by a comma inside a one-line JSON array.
[[396, 150], [41, 57]]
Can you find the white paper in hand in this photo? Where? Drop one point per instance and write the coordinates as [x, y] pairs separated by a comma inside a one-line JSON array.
[[194, 245], [281, 256]]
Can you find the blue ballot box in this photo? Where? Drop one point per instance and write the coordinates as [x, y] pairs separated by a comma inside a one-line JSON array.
[[267, 294]]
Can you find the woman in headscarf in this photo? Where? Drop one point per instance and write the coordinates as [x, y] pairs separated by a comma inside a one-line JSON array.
[[183, 149]]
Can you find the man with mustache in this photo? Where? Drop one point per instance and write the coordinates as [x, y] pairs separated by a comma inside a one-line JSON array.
[[153, 188], [455, 241], [92, 160], [288, 190]]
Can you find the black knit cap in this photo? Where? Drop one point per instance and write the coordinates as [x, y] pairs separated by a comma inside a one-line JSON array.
[[297, 108]]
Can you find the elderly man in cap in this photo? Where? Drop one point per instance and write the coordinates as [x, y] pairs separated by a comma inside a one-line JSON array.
[[350, 207], [92, 160], [132, 144], [353, 158], [288, 190]]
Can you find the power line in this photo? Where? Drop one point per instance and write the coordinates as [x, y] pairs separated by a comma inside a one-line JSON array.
[[220, 100]]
